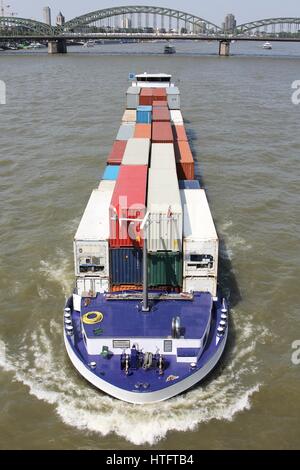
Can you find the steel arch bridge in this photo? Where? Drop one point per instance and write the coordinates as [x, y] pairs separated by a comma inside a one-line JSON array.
[[254, 25], [94, 16], [30, 26]]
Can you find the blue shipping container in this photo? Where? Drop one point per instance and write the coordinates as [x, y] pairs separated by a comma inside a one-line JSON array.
[[126, 266], [189, 184], [111, 172], [144, 115]]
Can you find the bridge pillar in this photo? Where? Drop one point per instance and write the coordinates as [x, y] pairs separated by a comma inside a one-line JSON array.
[[57, 47], [224, 48]]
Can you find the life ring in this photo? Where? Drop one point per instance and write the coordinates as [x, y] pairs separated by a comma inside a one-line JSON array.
[[91, 318]]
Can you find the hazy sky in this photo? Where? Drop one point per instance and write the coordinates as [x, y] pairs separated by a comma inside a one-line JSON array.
[[213, 10]]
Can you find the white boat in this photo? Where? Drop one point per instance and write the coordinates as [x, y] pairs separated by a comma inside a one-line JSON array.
[[267, 45], [89, 43]]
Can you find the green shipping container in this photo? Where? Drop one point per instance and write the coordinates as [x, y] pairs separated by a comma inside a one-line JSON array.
[[165, 269]]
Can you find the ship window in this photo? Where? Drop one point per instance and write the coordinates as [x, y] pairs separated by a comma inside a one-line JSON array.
[[168, 346]]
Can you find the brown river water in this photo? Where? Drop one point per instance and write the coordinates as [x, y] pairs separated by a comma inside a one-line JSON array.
[[56, 129]]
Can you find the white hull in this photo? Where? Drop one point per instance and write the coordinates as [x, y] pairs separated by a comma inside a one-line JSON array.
[[146, 397]]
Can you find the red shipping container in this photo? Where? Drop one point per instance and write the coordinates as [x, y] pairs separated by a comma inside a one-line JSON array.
[[128, 201], [117, 152], [160, 114], [179, 133], [159, 94], [184, 161], [143, 131], [160, 104], [162, 132], [146, 97]]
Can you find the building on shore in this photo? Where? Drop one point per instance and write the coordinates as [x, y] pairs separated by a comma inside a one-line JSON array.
[[229, 23]]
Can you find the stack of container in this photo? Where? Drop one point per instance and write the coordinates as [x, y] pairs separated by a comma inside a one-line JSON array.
[[128, 202], [91, 248], [143, 131], [144, 114], [111, 173], [133, 97], [173, 97], [116, 155], [200, 243], [129, 115], [126, 131], [184, 160], [164, 231]]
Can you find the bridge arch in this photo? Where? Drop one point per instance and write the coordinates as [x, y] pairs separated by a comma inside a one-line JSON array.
[[253, 25], [31, 26], [97, 15]]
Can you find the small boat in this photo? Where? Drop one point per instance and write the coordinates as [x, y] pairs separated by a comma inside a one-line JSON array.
[[89, 43], [169, 49], [267, 45]]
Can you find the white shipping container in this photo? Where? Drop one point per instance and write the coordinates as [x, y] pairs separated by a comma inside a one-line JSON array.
[[91, 240], [85, 285], [176, 117], [133, 97], [164, 230], [126, 131], [129, 115], [200, 284], [173, 97], [200, 239], [163, 156], [137, 152]]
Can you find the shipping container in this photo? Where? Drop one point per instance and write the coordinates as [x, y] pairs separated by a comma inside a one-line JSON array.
[[164, 268], [111, 172], [91, 239], [144, 115], [163, 156], [179, 132], [164, 231], [200, 284], [126, 131], [159, 94], [162, 132], [86, 285], [116, 155], [133, 97], [160, 114], [173, 97], [128, 202], [146, 97], [160, 104], [176, 117], [200, 239], [143, 131], [126, 266], [126, 287], [129, 115], [137, 152], [184, 160], [189, 184]]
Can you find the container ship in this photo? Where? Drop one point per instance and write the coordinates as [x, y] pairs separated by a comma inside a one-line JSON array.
[[146, 320]]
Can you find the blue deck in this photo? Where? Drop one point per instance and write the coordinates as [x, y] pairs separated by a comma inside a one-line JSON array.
[[143, 381], [124, 319]]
